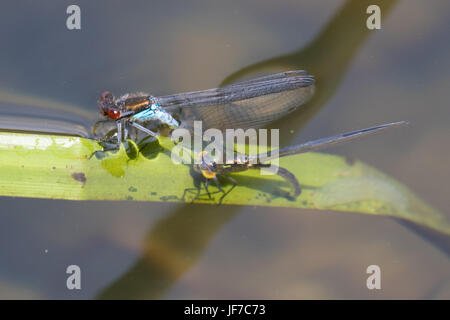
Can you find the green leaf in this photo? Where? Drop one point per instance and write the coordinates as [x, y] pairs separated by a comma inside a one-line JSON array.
[[58, 167]]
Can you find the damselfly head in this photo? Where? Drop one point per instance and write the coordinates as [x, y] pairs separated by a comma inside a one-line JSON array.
[[206, 166], [208, 174], [107, 106]]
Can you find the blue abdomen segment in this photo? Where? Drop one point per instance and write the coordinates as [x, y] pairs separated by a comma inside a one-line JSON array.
[[155, 113]]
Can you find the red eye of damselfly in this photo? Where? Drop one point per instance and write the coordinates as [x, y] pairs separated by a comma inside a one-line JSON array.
[[113, 114]]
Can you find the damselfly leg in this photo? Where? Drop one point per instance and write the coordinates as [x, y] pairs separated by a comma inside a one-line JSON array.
[[209, 194], [143, 129], [123, 134]]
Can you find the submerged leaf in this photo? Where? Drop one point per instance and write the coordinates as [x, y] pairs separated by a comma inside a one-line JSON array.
[[58, 167]]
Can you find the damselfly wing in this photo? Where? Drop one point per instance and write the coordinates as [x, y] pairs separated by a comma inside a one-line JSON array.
[[248, 104]]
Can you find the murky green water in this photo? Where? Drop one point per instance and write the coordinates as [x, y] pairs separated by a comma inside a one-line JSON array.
[[151, 250]]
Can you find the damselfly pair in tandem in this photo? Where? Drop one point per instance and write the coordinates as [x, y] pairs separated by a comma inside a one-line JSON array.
[[248, 104]]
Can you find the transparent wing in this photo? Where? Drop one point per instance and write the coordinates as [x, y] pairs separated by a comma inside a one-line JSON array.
[[246, 104], [324, 142]]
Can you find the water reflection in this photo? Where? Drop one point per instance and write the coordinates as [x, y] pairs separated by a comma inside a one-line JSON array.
[[32, 114], [174, 245]]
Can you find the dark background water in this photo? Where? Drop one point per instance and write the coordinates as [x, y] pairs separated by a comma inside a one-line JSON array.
[[148, 250]]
